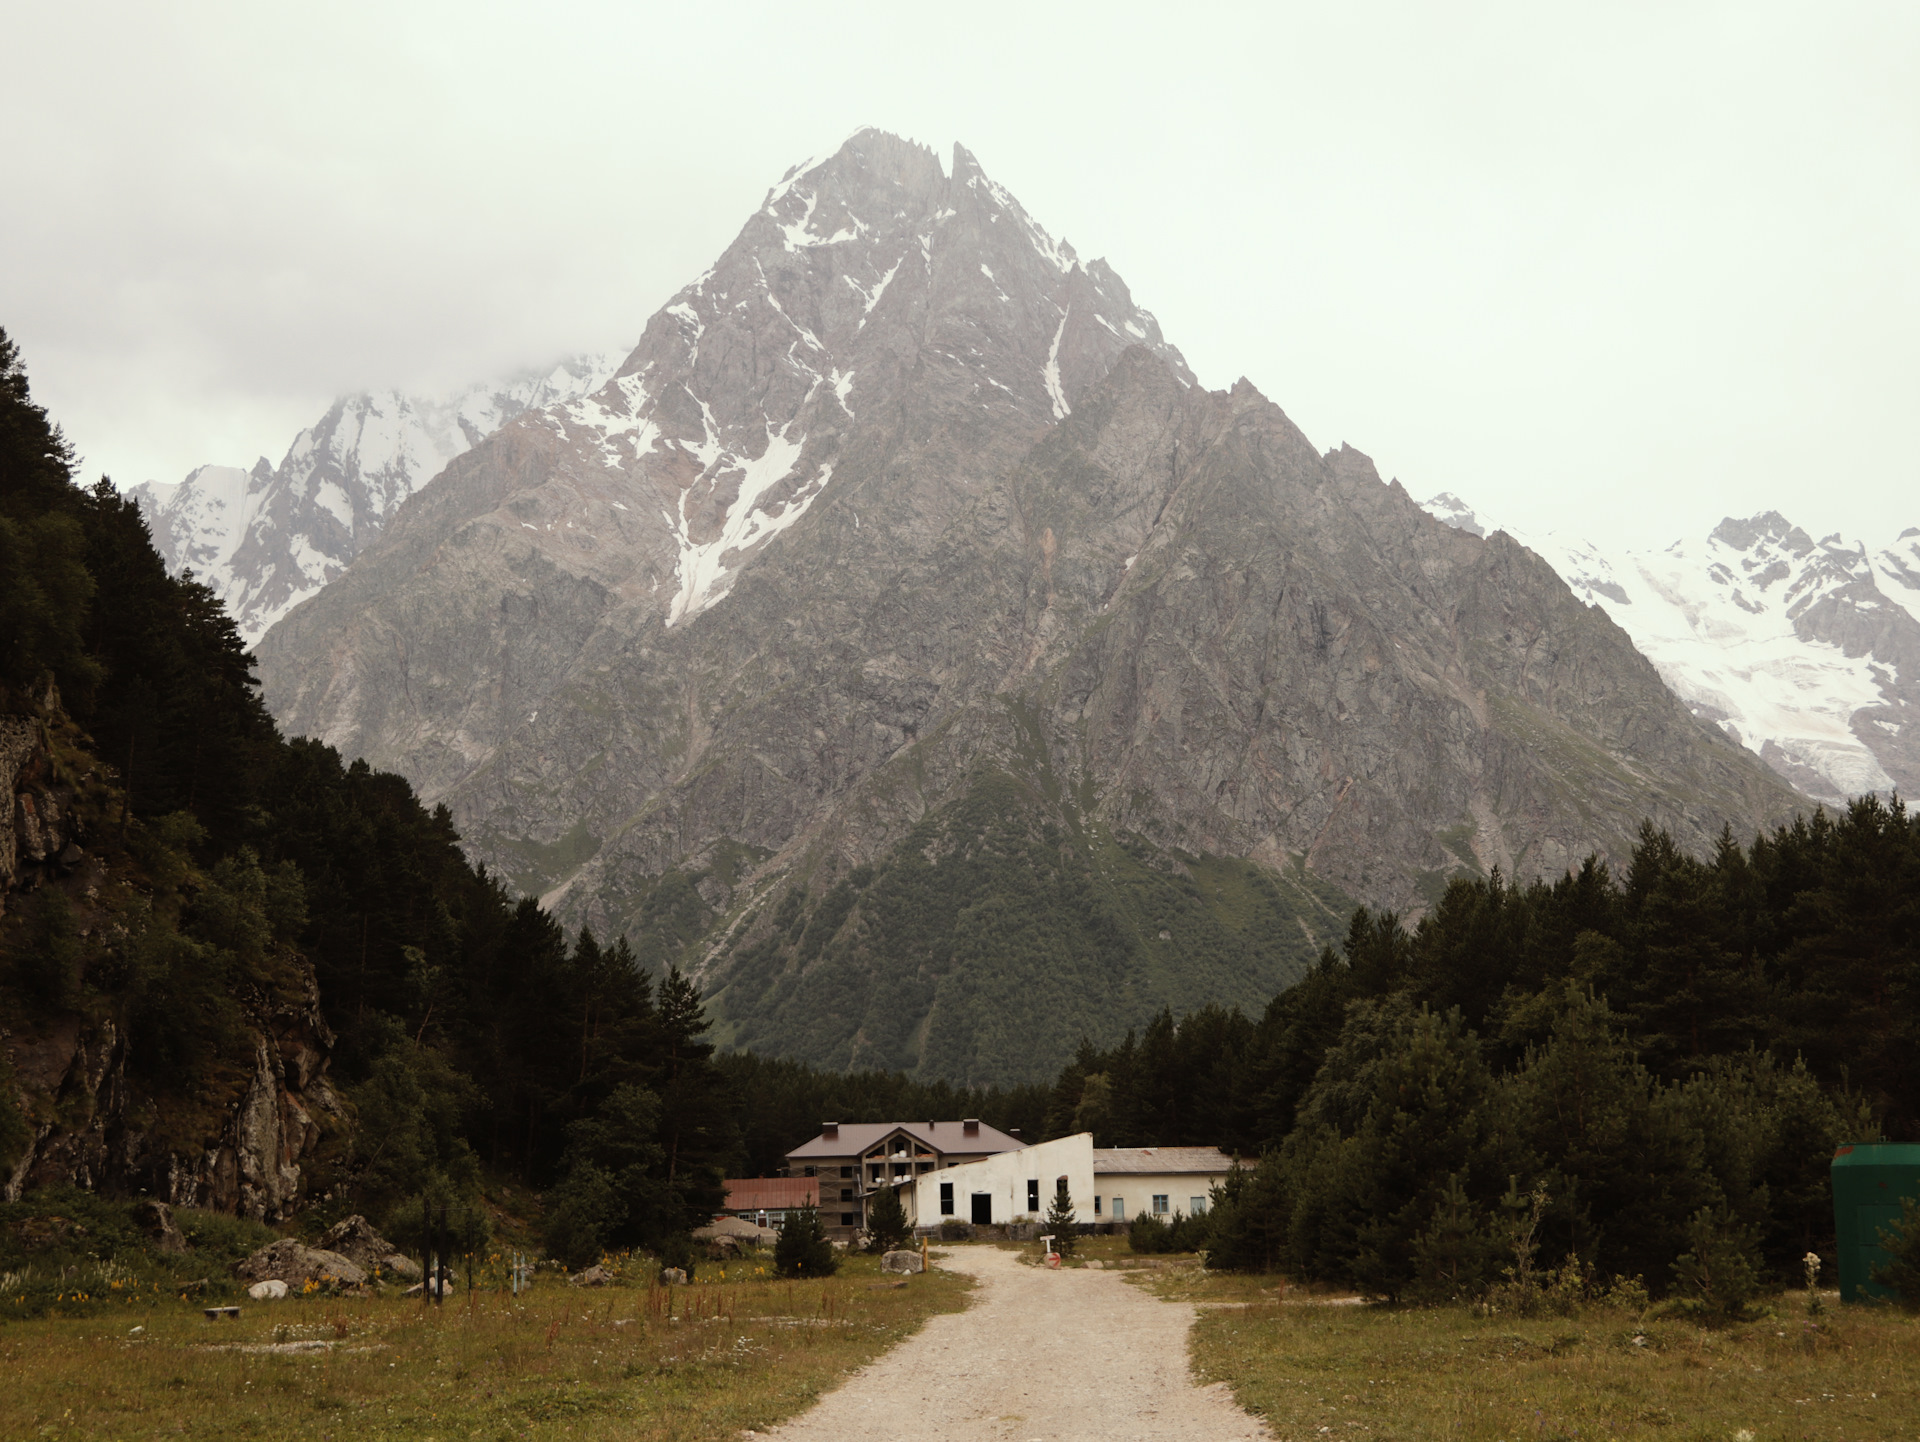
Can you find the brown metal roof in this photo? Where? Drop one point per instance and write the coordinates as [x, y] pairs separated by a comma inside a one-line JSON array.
[[856, 1137], [770, 1194], [1201, 1160]]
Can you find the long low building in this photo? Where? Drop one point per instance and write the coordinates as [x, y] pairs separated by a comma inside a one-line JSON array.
[[765, 1201], [1134, 1182]]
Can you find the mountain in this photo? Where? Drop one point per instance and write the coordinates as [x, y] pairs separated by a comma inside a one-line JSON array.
[[267, 538], [1807, 652], [906, 641]]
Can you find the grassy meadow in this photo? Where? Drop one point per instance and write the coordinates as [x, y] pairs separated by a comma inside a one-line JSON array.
[[1318, 1366], [738, 1350]]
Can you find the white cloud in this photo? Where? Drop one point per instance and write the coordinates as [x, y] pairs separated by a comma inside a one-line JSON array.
[[1623, 268]]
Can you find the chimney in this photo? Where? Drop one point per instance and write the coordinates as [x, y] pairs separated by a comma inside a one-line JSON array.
[[830, 1131], [970, 1127], [1013, 1131]]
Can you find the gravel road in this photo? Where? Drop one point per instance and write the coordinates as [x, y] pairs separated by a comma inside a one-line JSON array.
[[1067, 1356]]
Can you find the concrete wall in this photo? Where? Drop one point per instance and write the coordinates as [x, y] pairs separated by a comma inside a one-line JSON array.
[[1004, 1180], [1138, 1189]]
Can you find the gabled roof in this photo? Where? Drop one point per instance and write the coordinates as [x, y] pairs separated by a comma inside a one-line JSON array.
[[770, 1194], [857, 1137], [1199, 1160]]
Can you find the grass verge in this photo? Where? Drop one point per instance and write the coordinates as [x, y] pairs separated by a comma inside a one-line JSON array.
[[704, 1361], [1316, 1367]]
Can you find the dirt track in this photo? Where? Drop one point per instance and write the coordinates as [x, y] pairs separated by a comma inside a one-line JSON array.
[[1067, 1356]]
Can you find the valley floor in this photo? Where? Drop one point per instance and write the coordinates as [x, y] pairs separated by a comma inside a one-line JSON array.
[[738, 1350]]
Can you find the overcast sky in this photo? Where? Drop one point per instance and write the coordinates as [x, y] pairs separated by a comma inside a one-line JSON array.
[[1618, 269]]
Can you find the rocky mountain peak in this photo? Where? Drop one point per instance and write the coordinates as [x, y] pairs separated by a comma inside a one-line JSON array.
[[902, 598]]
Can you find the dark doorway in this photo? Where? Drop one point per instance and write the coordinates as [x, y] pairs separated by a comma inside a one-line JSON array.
[[983, 1209]]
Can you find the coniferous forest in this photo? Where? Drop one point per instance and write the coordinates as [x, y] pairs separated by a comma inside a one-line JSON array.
[[1650, 1068]]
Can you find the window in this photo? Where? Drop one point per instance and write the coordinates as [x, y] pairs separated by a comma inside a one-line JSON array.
[[846, 1171], [1033, 1195], [1060, 1188], [1159, 1204], [1196, 1206], [846, 1194], [1096, 1206], [923, 1166], [849, 1219], [1119, 1209], [946, 1199], [813, 1171]]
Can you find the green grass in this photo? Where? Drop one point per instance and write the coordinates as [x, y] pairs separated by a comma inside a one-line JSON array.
[[1313, 1367], [738, 1350]]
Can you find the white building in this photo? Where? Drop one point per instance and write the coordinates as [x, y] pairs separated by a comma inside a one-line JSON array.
[[1012, 1187], [1134, 1182]]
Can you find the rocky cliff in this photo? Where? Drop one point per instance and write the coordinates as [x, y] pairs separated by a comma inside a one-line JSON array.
[[904, 638], [89, 910]]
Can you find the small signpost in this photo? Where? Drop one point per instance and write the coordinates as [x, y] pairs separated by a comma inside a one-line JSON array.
[[1053, 1257]]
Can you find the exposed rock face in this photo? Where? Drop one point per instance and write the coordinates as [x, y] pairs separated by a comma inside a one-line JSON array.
[[91, 1124], [904, 534], [267, 537], [92, 1129], [1807, 652]]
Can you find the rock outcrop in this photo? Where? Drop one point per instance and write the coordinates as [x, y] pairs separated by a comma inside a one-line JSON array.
[[295, 1264], [70, 1059]]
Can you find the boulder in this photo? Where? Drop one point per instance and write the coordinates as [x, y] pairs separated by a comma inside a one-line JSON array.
[[156, 1220], [673, 1276], [436, 1288], [594, 1276], [395, 1265], [288, 1261], [901, 1262], [271, 1290], [357, 1241]]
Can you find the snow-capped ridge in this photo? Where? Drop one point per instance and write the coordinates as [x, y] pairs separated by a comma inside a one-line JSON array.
[[1807, 652]]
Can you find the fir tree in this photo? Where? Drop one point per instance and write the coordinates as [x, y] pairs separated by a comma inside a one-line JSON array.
[[1061, 1220], [803, 1249], [887, 1228]]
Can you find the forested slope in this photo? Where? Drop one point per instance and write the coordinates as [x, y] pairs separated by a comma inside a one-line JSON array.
[[236, 972]]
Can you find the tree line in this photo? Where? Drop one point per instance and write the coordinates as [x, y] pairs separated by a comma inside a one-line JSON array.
[[1648, 1073]]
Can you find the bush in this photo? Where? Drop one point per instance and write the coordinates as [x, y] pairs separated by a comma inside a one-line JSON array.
[[1716, 1274], [1900, 1273], [1149, 1234], [585, 1212], [803, 1249]]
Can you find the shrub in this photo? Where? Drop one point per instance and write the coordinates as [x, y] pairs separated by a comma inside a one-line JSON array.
[[1062, 1222], [1716, 1274]]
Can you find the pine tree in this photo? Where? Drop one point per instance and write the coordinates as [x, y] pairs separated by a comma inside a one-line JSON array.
[[1061, 1220], [887, 1228], [803, 1249]]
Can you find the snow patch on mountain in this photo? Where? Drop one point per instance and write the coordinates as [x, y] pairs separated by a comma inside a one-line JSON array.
[[1807, 652]]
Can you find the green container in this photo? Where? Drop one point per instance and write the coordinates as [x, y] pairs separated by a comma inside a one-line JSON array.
[[1869, 1181]]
